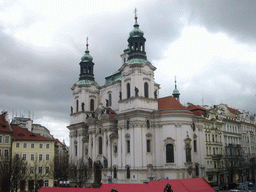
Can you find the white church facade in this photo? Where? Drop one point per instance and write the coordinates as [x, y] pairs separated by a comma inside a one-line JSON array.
[[125, 131]]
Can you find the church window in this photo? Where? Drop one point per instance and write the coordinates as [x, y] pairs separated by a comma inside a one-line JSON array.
[[115, 173], [195, 146], [148, 146], [109, 99], [127, 124], [75, 150], [128, 146], [77, 105], [148, 124], [100, 145], [128, 87], [89, 70], [169, 153], [92, 105], [188, 153], [128, 173], [146, 90], [115, 149], [212, 138]]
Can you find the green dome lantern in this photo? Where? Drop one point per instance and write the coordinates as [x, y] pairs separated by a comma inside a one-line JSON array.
[[86, 66], [136, 43]]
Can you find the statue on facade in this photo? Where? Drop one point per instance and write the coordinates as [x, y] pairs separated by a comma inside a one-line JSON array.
[[120, 95], [105, 162], [136, 92], [188, 153], [71, 110], [83, 106], [155, 93]]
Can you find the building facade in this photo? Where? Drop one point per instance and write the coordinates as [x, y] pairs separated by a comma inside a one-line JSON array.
[[38, 152], [125, 130]]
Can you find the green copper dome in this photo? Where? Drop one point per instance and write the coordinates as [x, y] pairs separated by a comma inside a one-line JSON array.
[[175, 92], [87, 57], [136, 32]]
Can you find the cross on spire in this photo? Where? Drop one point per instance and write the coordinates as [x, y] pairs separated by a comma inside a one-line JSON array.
[[135, 11], [87, 43]]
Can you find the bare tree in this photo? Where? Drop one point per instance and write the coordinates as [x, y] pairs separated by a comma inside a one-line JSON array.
[[12, 171], [61, 168], [234, 161], [79, 171], [39, 171], [5, 173]]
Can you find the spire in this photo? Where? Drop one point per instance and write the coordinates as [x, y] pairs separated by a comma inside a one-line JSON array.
[[87, 45], [136, 42], [86, 65], [135, 11], [176, 93]]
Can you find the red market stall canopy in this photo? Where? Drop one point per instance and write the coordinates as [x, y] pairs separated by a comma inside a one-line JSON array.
[[176, 185]]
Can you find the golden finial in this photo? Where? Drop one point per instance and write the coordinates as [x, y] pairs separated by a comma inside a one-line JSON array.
[[175, 82], [135, 11], [87, 43]]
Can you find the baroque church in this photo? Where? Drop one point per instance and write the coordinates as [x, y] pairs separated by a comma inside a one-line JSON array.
[[124, 131]]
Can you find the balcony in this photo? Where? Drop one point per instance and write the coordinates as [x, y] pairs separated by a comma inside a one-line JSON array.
[[216, 157]]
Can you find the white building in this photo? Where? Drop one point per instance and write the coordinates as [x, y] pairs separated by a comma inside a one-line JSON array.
[[126, 130]]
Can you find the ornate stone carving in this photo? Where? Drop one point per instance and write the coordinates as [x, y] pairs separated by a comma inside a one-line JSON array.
[[169, 140], [148, 134], [127, 135]]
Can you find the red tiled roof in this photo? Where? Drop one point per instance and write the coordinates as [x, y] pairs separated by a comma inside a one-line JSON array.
[[197, 110], [196, 107], [234, 111], [4, 126], [170, 104], [177, 185], [20, 133], [58, 141]]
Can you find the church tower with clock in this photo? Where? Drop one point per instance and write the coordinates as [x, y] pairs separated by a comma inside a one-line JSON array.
[[124, 130]]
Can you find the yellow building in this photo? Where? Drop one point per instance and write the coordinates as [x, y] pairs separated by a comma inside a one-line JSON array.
[[5, 146], [38, 152]]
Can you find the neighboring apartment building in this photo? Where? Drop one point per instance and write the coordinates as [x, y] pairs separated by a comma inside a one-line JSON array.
[[213, 137], [38, 151], [5, 145], [35, 128]]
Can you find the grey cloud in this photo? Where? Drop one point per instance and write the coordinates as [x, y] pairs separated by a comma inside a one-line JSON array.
[[237, 18]]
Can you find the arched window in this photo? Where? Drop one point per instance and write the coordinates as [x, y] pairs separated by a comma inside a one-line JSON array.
[[127, 124], [188, 153], [115, 173], [169, 153], [128, 90], [89, 70], [77, 105], [148, 146], [195, 146], [128, 173], [128, 146], [146, 90], [109, 99], [100, 145], [148, 124], [92, 105]]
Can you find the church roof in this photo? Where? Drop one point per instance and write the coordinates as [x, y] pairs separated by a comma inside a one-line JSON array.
[[86, 82], [197, 110], [136, 61], [20, 133], [170, 104], [114, 76]]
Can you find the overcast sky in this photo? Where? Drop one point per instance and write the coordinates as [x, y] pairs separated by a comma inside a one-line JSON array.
[[209, 45]]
